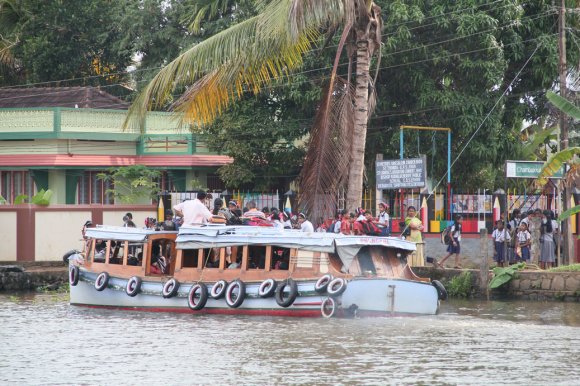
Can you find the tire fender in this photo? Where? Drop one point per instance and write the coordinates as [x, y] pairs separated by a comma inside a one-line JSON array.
[[102, 281], [322, 283], [241, 295], [293, 287], [201, 290], [267, 288], [133, 286], [218, 290], [170, 288], [336, 287], [328, 307], [73, 275], [441, 291]]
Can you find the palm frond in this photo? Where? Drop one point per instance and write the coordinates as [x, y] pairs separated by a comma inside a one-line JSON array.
[[564, 105], [245, 57], [569, 213], [555, 163], [325, 166], [539, 138], [205, 10]]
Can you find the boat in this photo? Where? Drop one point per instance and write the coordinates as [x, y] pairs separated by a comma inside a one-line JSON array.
[[252, 270]]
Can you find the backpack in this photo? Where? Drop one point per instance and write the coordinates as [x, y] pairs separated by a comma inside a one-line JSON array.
[[446, 235]]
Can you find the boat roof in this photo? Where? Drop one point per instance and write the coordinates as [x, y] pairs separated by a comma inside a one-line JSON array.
[[108, 232], [219, 236]]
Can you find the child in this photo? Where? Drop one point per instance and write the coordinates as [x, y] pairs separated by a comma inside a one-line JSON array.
[[500, 236], [523, 242], [454, 246]]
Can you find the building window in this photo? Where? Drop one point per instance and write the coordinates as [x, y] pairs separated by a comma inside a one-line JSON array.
[[92, 190], [166, 182], [15, 183], [214, 183]]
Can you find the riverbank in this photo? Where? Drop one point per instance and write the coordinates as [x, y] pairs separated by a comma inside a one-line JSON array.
[[32, 276]]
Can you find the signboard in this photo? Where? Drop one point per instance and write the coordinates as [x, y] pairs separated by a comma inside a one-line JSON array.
[[401, 173], [529, 169]]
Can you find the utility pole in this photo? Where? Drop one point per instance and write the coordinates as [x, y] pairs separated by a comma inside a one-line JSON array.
[[566, 231]]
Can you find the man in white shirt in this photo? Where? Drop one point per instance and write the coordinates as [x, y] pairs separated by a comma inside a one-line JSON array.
[[305, 225], [193, 211]]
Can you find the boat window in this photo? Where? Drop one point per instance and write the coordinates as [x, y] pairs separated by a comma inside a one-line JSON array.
[[280, 258], [256, 257], [116, 253], [135, 254], [211, 258], [234, 257], [190, 258], [100, 251], [365, 261]]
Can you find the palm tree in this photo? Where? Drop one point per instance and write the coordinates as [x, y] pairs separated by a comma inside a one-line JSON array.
[[263, 49]]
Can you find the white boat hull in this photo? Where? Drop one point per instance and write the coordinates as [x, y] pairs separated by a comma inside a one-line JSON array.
[[362, 297]]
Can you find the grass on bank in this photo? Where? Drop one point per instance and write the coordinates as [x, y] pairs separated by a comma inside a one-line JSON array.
[[566, 268]]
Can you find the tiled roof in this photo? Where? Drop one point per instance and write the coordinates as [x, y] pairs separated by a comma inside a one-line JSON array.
[[105, 161], [80, 97]]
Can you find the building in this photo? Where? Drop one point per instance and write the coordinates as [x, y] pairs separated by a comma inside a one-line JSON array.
[[61, 138]]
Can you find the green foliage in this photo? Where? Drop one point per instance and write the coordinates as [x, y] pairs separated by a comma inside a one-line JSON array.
[[131, 183], [261, 140], [461, 286], [503, 275], [2, 200], [564, 105], [20, 199], [566, 268], [42, 198]]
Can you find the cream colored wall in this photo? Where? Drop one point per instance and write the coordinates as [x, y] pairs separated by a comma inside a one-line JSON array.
[[57, 183], [99, 148], [116, 217], [8, 236], [57, 233]]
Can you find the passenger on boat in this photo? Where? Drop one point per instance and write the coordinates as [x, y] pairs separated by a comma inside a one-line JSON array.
[[128, 222], [158, 261], [233, 207], [100, 251], [357, 224], [253, 210], [88, 224], [168, 224], [217, 205], [278, 220], [346, 224], [285, 218], [369, 225], [266, 212], [305, 225], [194, 211]]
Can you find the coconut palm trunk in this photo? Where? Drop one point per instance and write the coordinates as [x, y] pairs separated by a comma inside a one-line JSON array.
[[361, 113]]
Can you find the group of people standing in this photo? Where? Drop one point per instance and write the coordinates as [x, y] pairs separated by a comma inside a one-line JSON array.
[[513, 243]]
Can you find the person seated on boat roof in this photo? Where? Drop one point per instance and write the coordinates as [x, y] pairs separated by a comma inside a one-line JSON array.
[[253, 210], [168, 224], [194, 211], [234, 262], [266, 212], [158, 261], [305, 225]]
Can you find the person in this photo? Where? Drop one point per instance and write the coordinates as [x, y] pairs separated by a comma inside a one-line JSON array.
[[369, 226], [266, 212], [524, 240], [278, 220], [454, 247], [194, 211], [338, 222], [548, 230], [305, 225], [168, 224], [128, 221], [414, 225], [87, 242], [513, 226], [158, 261], [346, 224], [285, 218], [360, 214], [500, 237], [253, 210], [384, 219], [217, 205]]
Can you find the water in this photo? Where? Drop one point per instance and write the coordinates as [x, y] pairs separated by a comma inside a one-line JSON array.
[[43, 340]]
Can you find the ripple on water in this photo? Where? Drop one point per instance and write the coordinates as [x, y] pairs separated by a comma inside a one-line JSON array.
[[46, 341]]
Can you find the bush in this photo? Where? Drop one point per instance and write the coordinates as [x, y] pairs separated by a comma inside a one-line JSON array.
[[461, 286]]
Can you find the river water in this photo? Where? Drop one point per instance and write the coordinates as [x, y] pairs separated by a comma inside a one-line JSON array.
[[43, 340]]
